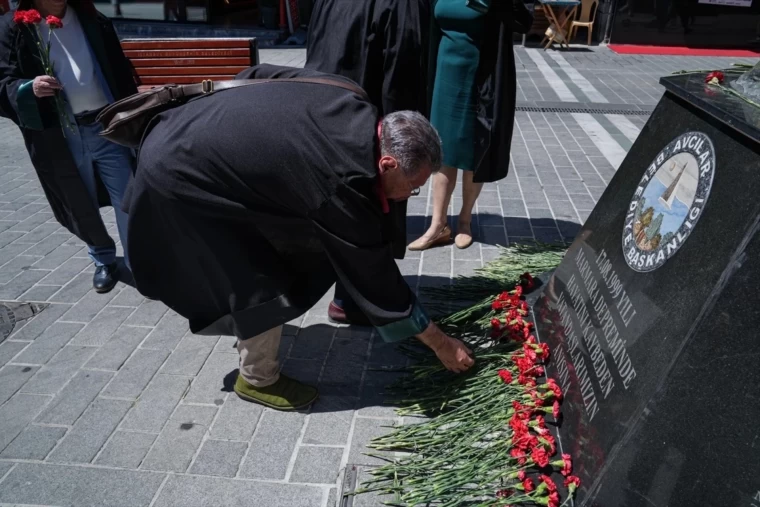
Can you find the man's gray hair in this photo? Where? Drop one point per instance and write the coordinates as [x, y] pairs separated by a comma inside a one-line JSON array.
[[412, 141]]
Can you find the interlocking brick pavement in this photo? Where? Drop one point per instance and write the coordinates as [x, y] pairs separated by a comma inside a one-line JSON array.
[[108, 400]]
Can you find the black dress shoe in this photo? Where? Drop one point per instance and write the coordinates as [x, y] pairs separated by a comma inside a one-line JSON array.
[[105, 278]]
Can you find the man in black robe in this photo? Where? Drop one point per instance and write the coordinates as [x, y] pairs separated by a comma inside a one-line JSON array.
[[79, 171], [382, 46], [248, 204]]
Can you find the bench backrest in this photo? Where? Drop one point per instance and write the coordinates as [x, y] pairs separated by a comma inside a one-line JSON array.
[[186, 61]]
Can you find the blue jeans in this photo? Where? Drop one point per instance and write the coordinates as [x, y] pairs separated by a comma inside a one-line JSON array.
[[113, 164]]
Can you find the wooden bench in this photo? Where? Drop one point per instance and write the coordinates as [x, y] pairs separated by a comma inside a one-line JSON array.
[[186, 61]]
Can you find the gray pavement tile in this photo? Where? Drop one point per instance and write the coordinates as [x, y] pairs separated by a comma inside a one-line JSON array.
[[9, 349], [330, 421], [273, 445], [126, 450], [74, 290], [218, 457], [129, 296], [35, 442], [22, 283], [12, 378], [90, 432], [16, 414], [65, 273], [100, 330], [89, 306], [156, 403], [136, 373], [208, 386], [84, 487], [59, 370], [317, 465], [237, 419], [40, 293], [74, 399], [189, 356], [168, 332], [114, 353], [148, 313], [197, 491], [178, 442]]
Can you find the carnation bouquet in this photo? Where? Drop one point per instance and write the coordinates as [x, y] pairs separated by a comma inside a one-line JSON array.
[[32, 19], [487, 435]]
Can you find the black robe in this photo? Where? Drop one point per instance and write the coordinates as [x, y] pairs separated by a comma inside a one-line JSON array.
[[248, 204], [496, 81], [382, 46], [47, 147]]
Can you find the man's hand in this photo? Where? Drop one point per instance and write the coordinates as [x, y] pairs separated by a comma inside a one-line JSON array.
[[454, 354], [45, 86]]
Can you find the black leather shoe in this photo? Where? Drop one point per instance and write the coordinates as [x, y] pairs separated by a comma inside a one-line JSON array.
[[105, 278]]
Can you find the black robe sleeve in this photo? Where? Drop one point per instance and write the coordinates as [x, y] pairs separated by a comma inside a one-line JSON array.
[[17, 100], [348, 224]]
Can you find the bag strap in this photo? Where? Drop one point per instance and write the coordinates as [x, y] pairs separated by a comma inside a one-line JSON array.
[[207, 86]]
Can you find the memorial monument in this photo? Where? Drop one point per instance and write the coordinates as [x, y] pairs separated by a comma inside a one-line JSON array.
[[652, 315]]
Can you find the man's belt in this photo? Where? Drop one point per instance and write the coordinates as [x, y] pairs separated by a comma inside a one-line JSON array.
[[87, 117]]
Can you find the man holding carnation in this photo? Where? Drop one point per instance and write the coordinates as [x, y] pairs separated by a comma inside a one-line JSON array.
[[54, 96]]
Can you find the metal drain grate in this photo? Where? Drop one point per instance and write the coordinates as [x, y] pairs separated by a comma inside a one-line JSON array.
[[13, 312], [627, 112]]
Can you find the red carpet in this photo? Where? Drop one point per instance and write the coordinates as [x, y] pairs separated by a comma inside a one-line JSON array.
[[626, 49]]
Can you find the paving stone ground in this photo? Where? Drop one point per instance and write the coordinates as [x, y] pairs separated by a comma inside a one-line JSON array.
[[108, 400]]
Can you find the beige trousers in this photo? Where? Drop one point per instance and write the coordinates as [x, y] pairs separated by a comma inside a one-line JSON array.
[[259, 365]]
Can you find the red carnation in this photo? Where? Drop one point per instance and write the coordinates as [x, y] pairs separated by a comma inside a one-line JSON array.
[[715, 78], [519, 456], [518, 291], [504, 493], [497, 305], [506, 376], [540, 457], [528, 485], [544, 351], [549, 441], [572, 483], [555, 410], [19, 17], [552, 385], [54, 22], [32, 17], [529, 352], [496, 323], [521, 475], [549, 483], [525, 442], [567, 468], [553, 499]]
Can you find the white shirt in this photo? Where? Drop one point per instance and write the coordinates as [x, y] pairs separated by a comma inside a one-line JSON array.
[[73, 65]]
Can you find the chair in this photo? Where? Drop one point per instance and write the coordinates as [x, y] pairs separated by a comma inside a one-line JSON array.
[[588, 14]]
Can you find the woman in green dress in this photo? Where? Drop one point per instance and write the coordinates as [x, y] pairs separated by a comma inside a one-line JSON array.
[[472, 100]]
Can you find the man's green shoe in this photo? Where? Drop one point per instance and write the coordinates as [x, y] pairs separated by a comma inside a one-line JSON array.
[[285, 394]]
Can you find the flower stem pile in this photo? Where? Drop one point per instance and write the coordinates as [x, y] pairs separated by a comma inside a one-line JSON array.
[[486, 438]]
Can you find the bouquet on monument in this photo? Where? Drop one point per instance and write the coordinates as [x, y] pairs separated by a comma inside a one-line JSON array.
[[32, 20]]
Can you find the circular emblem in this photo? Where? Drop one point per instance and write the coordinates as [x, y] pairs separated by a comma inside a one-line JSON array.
[[668, 201]]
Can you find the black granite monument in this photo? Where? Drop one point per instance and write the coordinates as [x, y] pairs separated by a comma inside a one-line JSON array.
[[653, 316]]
